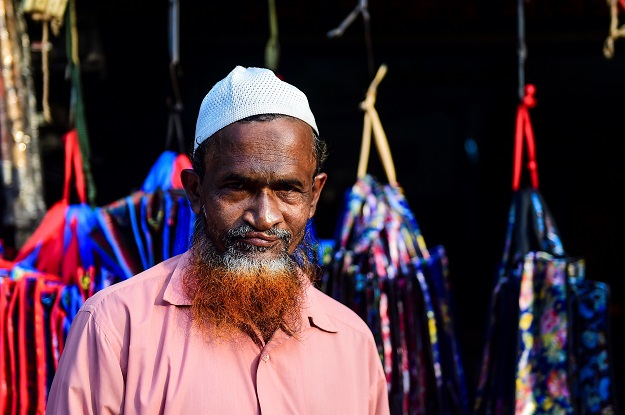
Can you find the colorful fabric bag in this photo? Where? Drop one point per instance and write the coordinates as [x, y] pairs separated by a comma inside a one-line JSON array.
[[382, 269], [151, 224], [547, 344], [69, 242]]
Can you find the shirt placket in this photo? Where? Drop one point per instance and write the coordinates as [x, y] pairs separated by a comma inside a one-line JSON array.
[[267, 377]]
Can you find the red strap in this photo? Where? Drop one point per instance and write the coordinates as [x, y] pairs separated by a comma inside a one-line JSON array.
[[57, 320], [22, 351], [40, 346], [72, 156], [623, 4], [524, 128], [11, 355]]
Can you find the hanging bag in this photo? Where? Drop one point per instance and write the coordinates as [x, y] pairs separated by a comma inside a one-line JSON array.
[[26, 370], [153, 223], [45, 249], [383, 270], [68, 242], [532, 354]]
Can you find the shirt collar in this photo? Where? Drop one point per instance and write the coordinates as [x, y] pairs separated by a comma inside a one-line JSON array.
[[174, 293], [312, 314]]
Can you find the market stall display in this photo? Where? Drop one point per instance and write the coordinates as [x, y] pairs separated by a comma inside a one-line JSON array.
[[382, 269]]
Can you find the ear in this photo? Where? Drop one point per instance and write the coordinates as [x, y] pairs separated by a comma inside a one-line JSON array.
[[318, 182], [191, 182]]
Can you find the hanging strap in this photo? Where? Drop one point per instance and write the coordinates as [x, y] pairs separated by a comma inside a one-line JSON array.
[[372, 122], [615, 31], [272, 49], [50, 13], [73, 159], [524, 128], [174, 122], [45, 69]]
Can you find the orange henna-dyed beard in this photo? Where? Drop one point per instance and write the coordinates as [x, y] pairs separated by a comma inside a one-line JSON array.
[[242, 291]]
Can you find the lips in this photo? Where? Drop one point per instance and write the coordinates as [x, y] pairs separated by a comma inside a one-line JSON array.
[[260, 239]]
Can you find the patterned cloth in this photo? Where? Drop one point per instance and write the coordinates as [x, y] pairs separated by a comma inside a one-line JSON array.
[[547, 343], [382, 269]]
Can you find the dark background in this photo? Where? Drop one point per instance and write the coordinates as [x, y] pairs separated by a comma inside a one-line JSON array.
[[452, 79]]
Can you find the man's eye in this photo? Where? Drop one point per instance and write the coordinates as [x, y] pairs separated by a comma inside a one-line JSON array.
[[235, 186], [289, 193], [286, 190]]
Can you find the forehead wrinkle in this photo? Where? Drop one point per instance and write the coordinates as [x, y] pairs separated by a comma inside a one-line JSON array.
[[262, 156]]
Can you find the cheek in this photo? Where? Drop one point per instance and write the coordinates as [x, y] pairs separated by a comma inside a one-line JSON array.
[[220, 217], [296, 220]]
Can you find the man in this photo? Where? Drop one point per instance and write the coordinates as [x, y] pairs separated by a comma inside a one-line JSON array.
[[234, 325]]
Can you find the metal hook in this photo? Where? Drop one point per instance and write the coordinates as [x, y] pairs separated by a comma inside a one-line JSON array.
[[361, 8]]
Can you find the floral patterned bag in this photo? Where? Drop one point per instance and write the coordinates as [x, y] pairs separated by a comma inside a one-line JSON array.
[[547, 344], [547, 350], [593, 380]]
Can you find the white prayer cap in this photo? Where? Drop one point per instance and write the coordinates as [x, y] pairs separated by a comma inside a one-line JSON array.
[[246, 92]]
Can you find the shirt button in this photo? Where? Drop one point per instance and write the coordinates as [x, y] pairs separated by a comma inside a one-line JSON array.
[[265, 357]]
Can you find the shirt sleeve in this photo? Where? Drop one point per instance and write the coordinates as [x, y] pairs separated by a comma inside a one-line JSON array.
[[89, 377], [378, 395]]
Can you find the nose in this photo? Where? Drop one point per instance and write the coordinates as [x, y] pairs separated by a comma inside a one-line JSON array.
[[264, 212]]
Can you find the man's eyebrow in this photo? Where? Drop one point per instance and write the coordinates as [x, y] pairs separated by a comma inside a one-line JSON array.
[[234, 177], [290, 183], [286, 182]]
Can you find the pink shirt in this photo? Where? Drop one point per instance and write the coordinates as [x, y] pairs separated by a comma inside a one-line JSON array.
[[131, 350]]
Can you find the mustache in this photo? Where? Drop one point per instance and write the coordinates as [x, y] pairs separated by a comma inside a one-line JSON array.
[[305, 256], [242, 230]]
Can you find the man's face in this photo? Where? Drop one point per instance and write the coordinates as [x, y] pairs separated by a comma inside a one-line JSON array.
[[258, 180]]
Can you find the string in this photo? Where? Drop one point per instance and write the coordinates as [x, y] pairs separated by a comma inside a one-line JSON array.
[[524, 129], [372, 122], [50, 13], [272, 50], [615, 31], [522, 47], [174, 122], [45, 68]]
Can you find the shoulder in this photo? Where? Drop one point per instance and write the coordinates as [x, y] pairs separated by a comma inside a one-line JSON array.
[[341, 316], [105, 323], [353, 340]]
